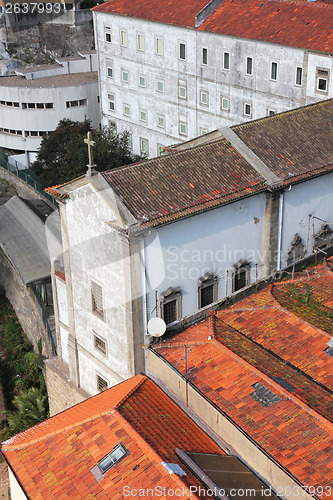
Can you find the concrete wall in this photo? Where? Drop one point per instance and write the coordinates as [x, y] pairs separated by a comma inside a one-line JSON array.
[[25, 305], [219, 424], [61, 392], [258, 89]]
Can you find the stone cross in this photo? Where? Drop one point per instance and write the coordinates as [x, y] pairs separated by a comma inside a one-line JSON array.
[[91, 144]]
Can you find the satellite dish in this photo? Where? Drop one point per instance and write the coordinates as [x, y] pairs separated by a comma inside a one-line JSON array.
[[156, 327]]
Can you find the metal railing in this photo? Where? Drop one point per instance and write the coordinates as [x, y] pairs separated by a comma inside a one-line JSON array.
[[29, 177]]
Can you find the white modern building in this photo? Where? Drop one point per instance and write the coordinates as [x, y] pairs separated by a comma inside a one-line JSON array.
[[33, 101], [170, 72], [172, 235]]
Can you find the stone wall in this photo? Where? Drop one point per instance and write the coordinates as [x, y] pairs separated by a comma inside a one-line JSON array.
[[25, 305], [62, 393]]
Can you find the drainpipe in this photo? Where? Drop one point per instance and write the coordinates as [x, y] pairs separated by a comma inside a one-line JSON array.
[[143, 287], [278, 263]]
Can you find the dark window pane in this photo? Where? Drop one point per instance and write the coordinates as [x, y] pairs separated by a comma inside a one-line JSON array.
[[206, 295], [170, 311], [240, 280]]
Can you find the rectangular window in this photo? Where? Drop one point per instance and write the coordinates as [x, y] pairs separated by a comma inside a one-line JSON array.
[[159, 46], [322, 80], [182, 93], [240, 280], [144, 146], [109, 72], [205, 56], [129, 141], [123, 38], [170, 311], [206, 295], [249, 68], [322, 84], [112, 458], [271, 112], [274, 68], [160, 121], [102, 384], [226, 60], [107, 31], [141, 42], [182, 51], [127, 110], [161, 150], [247, 109], [299, 72], [142, 81], [112, 106], [97, 300], [113, 128], [99, 344], [143, 116], [160, 86], [49, 105], [182, 125], [40, 105], [224, 104], [124, 76], [204, 98]]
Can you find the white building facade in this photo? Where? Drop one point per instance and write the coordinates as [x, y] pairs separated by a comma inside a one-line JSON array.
[[166, 82], [33, 101]]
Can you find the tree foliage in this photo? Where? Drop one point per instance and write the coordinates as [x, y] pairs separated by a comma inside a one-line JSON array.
[[31, 408], [63, 155]]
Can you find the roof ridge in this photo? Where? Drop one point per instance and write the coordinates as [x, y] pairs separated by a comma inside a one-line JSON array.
[[301, 2], [143, 443], [139, 383], [286, 393]]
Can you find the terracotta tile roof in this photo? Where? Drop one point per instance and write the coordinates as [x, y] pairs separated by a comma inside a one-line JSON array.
[[55, 458], [163, 11], [306, 25], [261, 340], [52, 190], [187, 182], [179, 184], [285, 142]]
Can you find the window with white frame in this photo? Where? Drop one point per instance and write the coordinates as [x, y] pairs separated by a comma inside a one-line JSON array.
[[140, 41], [247, 109], [160, 86], [298, 75], [224, 104], [182, 124], [249, 66], [322, 76], [207, 290], [161, 150], [109, 72], [113, 128], [182, 51], [161, 121], [97, 300], [99, 343], [203, 131], [204, 56], [144, 146], [182, 89], [129, 141], [204, 98], [127, 110], [271, 112], [112, 104], [142, 81], [123, 38], [159, 46], [107, 34], [143, 116], [124, 76], [226, 60], [170, 304], [274, 70]]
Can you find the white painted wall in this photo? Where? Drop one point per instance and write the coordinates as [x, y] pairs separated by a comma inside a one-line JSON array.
[[258, 90], [211, 242], [64, 343], [16, 491], [61, 295], [313, 197]]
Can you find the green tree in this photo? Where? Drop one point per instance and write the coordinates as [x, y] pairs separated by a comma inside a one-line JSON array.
[[32, 408], [63, 155]]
